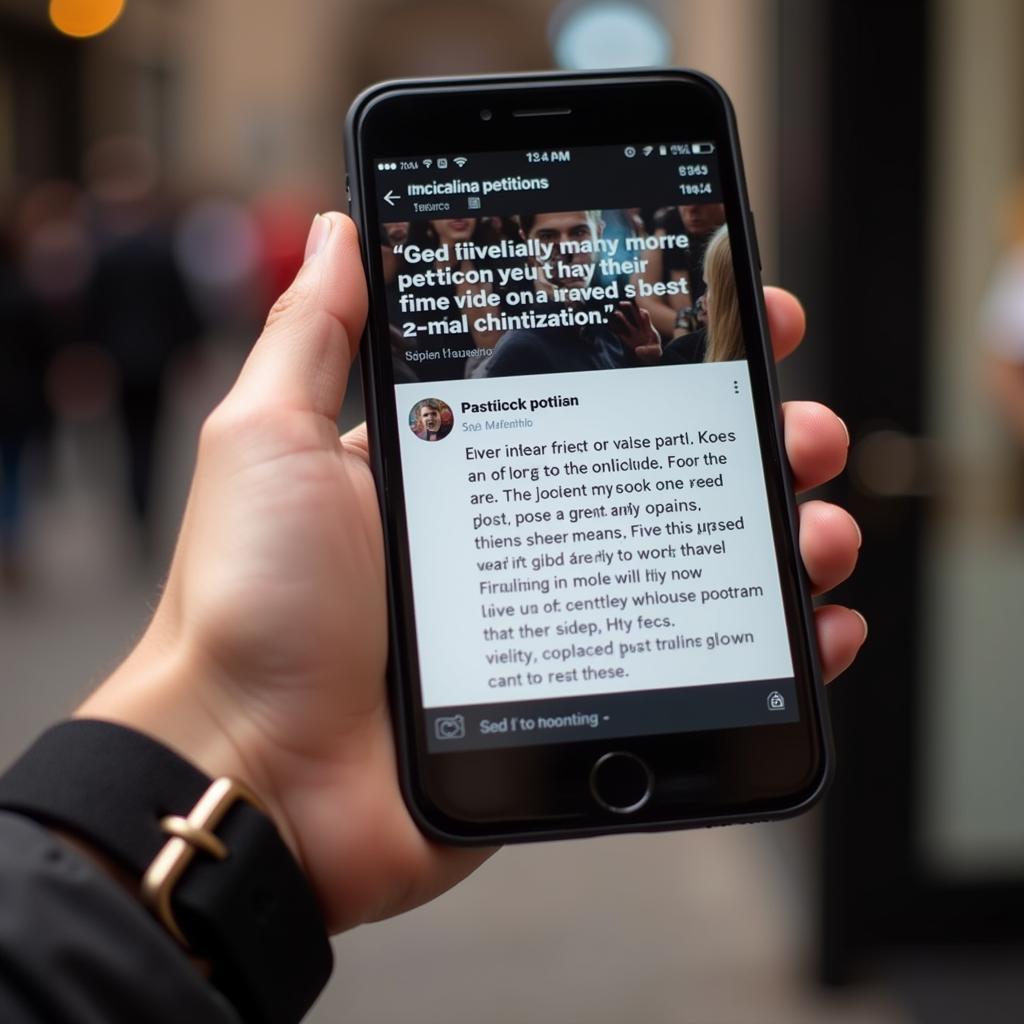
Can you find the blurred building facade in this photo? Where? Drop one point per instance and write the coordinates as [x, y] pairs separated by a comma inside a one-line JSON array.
[[877, 140], [252, 95]]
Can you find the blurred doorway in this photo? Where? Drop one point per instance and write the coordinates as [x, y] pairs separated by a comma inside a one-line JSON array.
[[40, 119], [919, 131]]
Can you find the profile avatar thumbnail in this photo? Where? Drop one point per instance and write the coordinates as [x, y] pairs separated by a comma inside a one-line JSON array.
[[431, 419]]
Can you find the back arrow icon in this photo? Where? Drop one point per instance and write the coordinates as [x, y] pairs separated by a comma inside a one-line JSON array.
[[391, 197]]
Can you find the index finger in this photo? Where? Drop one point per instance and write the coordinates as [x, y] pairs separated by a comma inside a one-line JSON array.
[[786, 320]]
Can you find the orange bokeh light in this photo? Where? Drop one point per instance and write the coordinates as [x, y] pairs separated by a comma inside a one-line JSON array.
[[83, 18]]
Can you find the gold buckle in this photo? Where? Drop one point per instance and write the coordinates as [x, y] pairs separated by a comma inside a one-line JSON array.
[[188, 835]]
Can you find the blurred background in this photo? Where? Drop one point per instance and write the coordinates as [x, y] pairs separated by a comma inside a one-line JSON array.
[[160, 161]]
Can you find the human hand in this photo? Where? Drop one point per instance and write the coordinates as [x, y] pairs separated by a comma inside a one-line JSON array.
[[634, 328], [266, 657]]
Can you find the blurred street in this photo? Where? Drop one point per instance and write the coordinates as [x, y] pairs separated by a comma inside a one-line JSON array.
[[689, 928]]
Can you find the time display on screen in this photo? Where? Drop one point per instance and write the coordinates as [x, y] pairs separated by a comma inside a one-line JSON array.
[[549, 156]]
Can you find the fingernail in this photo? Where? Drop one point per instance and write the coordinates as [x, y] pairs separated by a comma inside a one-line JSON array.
[[319, 232], [864, 622], [860, 536], [846, 429]]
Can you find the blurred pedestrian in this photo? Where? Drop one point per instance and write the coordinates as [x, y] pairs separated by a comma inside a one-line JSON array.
[[24, 353], [140, 311], [1002, 317]]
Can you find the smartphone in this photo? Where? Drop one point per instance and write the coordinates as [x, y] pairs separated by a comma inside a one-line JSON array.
[[599, 618]]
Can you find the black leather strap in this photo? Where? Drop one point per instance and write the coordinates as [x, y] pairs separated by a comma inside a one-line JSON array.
[[252, 915]]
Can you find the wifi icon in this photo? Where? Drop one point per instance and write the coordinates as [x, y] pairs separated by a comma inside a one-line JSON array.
[[460, 161], [648, 150], [427, 161]]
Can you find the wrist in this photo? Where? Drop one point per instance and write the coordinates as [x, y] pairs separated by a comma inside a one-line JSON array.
[[173, 697], [123, 878], [202, 856]]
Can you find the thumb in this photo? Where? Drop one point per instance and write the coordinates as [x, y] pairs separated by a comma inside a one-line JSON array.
[[302, 358]]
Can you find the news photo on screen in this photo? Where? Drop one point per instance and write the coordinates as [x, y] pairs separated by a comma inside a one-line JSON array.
[[560, 291], [591, 552]]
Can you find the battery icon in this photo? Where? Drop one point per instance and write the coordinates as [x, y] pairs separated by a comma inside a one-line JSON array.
[[702, 147], [663, 151]]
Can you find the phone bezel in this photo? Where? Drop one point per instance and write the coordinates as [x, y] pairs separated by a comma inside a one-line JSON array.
[[717, 776]]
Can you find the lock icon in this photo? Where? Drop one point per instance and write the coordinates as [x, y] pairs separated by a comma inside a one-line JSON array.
[[776, 702]]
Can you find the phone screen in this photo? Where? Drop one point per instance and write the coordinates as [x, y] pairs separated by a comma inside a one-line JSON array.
[[590, 545]]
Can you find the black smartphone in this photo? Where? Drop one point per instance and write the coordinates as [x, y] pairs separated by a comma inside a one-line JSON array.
[[599, 617]]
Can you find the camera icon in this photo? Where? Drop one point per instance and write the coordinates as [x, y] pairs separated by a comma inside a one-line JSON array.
[[450, 727]]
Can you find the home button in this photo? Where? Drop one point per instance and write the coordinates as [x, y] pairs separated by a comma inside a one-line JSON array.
[[621, 782]]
